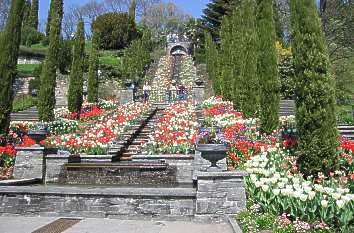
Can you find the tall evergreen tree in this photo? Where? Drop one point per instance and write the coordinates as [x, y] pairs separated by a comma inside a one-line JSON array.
[[77, 71], [213, 15], [92, 83], [33, 16], [132, 9], [9, 46], [236, 50], [49, 17], [213, 62], [267, 67], [46, 96], [226, 66], [248, 72], [26, 13], [279, 30], [315, 92]]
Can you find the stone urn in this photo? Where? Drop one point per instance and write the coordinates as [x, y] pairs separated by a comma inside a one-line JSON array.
[[213, 153], [199, 82], [38, 135]]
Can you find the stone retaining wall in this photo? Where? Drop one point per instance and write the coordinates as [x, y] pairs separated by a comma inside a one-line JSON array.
[[99, 202], [214, 196], [183, 163]]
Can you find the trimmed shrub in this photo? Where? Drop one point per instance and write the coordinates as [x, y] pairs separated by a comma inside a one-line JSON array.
[[117, 30]]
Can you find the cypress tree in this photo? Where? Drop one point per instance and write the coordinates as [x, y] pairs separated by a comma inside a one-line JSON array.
[[46, 96], [213, 63], [33, 16], [49, 17], [77, 71], [226, 65], [248, 72], [236, 56], [92, 83], [26, 13], [267, 67], [315, 92], [9, 46], [132, 9], [279, 31]]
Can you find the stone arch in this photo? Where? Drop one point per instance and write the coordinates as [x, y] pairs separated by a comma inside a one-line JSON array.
[[178, 50]]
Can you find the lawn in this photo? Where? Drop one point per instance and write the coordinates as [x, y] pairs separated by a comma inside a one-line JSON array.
[[26, 69]]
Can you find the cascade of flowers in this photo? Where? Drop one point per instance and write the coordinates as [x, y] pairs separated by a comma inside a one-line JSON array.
[[162, 80], [275, 182], [188, 72], [97, 137], [175, 132]]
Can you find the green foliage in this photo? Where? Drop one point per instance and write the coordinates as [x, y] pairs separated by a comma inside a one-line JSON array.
[[46, 97], [117, 30], [30, 36], [64, 55], [211, 58], [23, 102], [248, 72], [132, 9], [213, 15], [33, 16], [92, 83], [9, 47], [315, 92], [76, 83], [137, 57], [34, 84], [32, 52], [267, 67]]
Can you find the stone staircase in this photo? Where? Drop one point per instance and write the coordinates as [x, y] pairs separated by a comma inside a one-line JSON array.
[[30, 114], [346, 131], [135, 147], [287, 108]]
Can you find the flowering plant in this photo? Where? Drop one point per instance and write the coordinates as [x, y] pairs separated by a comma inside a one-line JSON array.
[[7, 155], [175, 132]]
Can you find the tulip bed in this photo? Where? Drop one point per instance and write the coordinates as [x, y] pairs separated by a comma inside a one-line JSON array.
[[97, 136], [281, 199], [175, 132]]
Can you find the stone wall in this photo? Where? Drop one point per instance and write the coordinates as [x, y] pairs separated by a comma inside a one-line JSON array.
[[183, 163], [100, 202], [214, 196], [219, 194], [28, 163], [28, 60]]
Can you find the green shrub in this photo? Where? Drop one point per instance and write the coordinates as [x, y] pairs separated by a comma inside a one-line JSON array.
[[23, 102], [30, 36], [64, 55], [117, 30], [32, 52]]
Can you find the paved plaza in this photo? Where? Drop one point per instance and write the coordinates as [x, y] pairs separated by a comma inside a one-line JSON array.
[[90, 225]]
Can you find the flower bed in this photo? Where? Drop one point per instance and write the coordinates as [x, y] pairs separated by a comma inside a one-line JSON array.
[[96, 137], [275, 183], [7, 160], [175, 132]]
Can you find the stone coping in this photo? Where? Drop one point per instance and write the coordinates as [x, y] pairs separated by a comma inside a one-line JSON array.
[[166, 156], [20, 182], [222, 174], [32, 148], [100, 191]]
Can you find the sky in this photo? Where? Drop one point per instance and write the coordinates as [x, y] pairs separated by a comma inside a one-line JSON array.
[[193, 7]]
